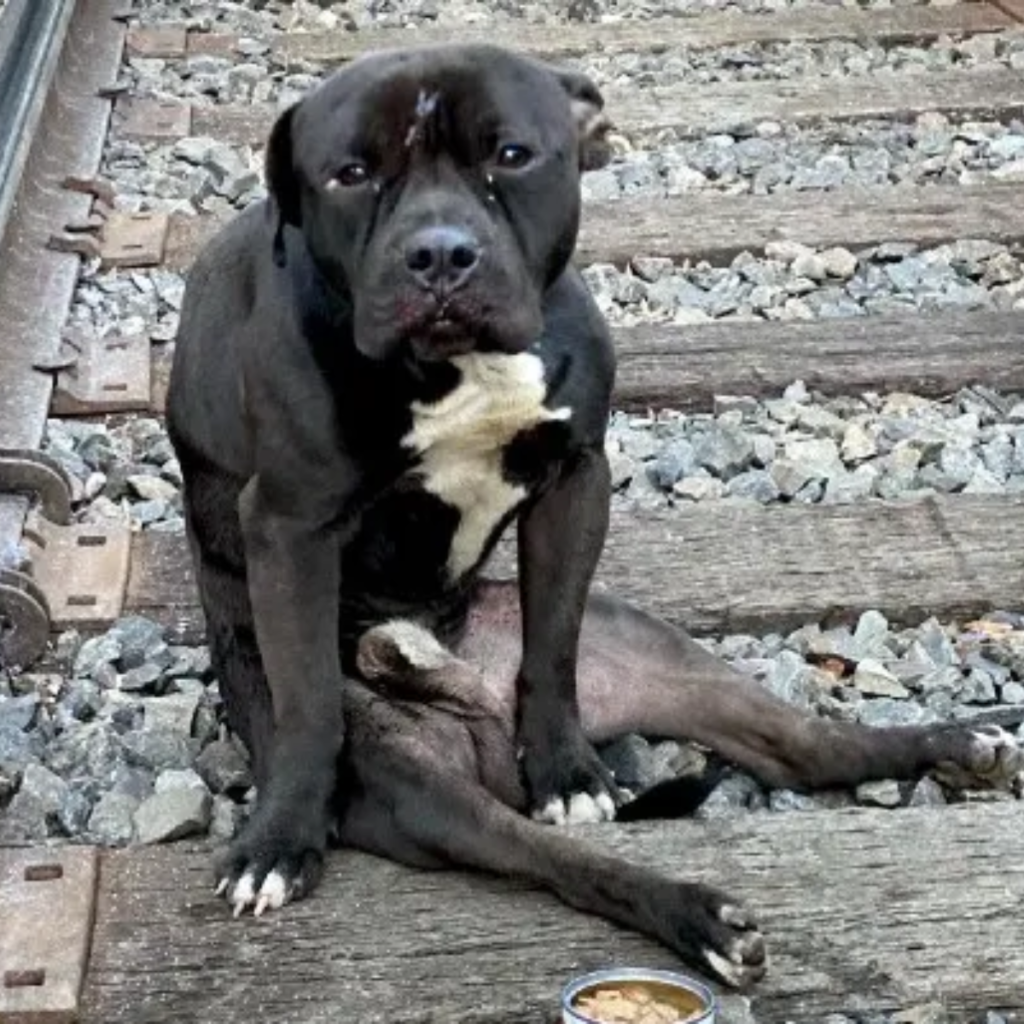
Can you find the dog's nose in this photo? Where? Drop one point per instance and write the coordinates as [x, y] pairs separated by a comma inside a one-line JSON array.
[[442, 257]]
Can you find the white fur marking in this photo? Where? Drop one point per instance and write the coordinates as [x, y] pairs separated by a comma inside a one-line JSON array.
[[583, 809], [244, 894], [729, 972], [462, 437], [606, 805], [553, 812], [418, 645], [273, 893]]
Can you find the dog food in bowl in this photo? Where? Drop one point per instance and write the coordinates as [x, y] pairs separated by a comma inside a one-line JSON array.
[[637, 997]]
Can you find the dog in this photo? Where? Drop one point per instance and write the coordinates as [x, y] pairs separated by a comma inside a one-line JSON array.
[[378, 370]]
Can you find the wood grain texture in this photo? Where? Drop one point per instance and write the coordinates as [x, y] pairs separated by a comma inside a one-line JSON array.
[[699, 109], [718, 227], [722, 107], [667, 365], [732, 567], [893, 25], [864, 911]]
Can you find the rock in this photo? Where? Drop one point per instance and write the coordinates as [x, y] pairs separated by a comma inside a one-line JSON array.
[[142, 678], [810, 265], [839, 262], [858, 444], [173, 814], [651, 268], [138, 638], [226, 770], [699, 488], [734, 795], [755, 485], [788, 800], [978, 688], [158, 749], [1012, 693], [113, 818], [19, 712], [873, 679], [672, 463], [226, 818], [90, 752], [96, 652], [923, 1013], [174, 712], [871, 635], [882, 711], [927, 793], [789, 476], [788, 678], [153, 488], [935, 642], [845, 488], [880, 794], [82, 699]]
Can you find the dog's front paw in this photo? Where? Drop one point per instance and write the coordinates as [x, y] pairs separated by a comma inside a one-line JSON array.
[[712, 931], [270, 864], [569, 783]]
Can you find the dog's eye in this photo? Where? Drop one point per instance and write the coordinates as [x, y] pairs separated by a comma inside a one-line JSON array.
[[350, 175], [513, 156]]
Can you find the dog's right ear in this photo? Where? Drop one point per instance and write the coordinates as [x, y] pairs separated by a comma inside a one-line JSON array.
[[282, 182]]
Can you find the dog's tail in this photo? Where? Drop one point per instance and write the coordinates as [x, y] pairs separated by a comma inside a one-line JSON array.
[[674, 798]]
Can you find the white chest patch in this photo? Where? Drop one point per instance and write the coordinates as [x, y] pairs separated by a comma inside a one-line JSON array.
[[460, 440]]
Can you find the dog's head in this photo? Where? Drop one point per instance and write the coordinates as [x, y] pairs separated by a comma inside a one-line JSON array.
[[439, 189]]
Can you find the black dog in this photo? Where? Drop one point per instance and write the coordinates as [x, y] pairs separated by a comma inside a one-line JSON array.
[[377, 370]]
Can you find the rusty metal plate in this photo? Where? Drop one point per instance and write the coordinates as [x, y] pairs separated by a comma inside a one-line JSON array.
[[217, 44], [133, 239], [162, 41], [155, 119], [47, 906], [81, 569], [109, 374]]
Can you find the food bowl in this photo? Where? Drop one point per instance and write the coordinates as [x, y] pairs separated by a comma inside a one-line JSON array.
[[637, 996]]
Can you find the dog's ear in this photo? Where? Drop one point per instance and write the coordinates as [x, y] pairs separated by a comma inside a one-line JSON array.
[[592, 124], [282, 182]]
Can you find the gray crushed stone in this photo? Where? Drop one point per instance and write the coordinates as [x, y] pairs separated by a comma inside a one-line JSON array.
[[85, 757]]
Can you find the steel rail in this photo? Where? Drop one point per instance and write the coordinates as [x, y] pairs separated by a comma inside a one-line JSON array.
[[31, 38], [55, 56]]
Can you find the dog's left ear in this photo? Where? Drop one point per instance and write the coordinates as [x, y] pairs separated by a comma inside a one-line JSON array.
[[282, 182], [592, 123]]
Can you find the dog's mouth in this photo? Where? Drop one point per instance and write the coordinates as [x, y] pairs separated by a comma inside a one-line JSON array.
[[442, 335]]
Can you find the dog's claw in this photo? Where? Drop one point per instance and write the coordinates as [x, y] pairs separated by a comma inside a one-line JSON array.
[[261, 904], [222, 887]]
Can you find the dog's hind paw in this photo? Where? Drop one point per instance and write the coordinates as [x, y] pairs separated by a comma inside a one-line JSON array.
[[992, 759], [713, 932]]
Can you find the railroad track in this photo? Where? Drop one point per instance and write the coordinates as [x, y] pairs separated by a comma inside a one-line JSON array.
[[89, 280]]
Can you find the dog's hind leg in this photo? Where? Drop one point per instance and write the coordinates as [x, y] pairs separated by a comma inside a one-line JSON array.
[[640, 674], [417, 811]]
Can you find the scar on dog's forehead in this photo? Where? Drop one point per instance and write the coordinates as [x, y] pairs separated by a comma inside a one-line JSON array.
[[426, 106]]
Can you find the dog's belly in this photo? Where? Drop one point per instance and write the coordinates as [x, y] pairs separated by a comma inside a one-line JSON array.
[[462, 442]]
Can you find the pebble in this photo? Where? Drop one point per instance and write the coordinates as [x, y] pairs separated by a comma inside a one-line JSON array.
[[180, 806]]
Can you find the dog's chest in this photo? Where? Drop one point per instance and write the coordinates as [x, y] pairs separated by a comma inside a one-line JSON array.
[[461, 442]]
